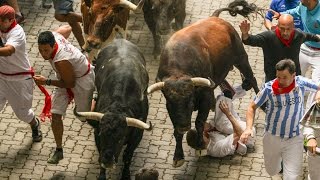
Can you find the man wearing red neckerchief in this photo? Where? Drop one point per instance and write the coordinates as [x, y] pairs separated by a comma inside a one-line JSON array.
[[281, 43], [16, 84], [282, 140], [74, 80]]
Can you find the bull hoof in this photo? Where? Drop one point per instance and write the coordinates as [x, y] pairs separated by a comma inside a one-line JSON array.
[[178, 163]]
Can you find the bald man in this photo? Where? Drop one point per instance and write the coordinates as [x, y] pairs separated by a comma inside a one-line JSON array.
[[281, 43]]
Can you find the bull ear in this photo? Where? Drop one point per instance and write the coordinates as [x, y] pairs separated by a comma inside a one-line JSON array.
[[138, 124], [155, 87]]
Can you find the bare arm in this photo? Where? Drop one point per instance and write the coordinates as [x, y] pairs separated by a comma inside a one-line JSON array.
[[267, 24], [66, 72], [235, 125], [7, 50], [250, 117]]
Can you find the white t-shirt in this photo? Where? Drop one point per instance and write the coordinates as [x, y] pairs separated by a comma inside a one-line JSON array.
[[66, 51], [18, 61]]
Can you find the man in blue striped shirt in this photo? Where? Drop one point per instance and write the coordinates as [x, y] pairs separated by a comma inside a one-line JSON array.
[[282, 140], [309, 12]]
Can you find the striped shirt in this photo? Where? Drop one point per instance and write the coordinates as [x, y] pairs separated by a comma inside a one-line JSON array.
[[284, 111]]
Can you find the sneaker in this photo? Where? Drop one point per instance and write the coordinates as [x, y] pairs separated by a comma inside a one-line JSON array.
[[57, 156], [20, 19], [241, 149], [47, 4], [36, 132]]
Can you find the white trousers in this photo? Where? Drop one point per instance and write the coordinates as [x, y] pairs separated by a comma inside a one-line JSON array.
[[313, 166], [19, 95], [287, 150], [309, 57], [82, 91]]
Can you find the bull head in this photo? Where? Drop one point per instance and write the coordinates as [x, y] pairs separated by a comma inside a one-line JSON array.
[[179, 96], [102, 19]]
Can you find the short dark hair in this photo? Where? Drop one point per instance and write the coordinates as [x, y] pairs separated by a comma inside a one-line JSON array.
[[147, 174], [286, 64], [46, 37], [192, 138]]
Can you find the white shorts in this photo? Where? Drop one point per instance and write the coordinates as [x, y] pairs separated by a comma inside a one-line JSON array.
[[287, 150], [19, 95], [82, 91]]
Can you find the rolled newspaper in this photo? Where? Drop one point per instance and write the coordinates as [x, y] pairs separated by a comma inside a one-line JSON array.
[[312, 117]]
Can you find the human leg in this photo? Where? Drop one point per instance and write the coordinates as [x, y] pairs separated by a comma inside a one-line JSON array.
[[20, 95], [272, 153], [313, 166], [64, 13], [292, 154], [304, 59], [59, 107], [19, 16], [313, 58]]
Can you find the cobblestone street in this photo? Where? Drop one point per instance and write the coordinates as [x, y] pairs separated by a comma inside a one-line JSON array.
[[22, 159]]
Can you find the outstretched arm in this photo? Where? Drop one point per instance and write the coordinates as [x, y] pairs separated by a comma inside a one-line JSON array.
[[235, 125]]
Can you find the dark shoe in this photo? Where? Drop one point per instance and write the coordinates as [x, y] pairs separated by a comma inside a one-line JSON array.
[[20, 19], [281, 171], [47, 4], [36, 132], [57, 156]]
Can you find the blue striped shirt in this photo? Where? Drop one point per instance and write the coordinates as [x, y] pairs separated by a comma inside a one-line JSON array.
[[284, 111], [309, 19]]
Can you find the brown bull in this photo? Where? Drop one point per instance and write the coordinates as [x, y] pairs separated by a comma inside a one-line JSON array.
[[102, 19], [194, 61]]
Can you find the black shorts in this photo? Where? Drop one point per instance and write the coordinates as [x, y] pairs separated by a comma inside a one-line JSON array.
[[63, 6]]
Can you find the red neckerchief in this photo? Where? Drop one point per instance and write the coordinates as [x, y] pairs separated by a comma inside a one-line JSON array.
[[277, 90], [55, 50], [286, 42], [14, 23]]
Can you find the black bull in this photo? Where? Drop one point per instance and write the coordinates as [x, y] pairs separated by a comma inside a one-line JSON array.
[[194, 61], [121, 81]]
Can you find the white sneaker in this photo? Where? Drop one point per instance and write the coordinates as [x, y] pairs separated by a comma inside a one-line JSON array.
[[239, 92], [242, 148]]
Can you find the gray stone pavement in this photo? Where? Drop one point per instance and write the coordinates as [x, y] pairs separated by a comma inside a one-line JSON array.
[[20, 159]]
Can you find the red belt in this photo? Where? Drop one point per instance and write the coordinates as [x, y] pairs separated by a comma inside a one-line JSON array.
[[314, 48]]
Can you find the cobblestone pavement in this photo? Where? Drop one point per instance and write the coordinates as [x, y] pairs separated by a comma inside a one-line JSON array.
[[20, 159]]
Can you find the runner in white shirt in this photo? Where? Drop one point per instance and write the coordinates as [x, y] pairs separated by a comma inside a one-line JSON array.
[[75, 78], [282, 140], [221, 135], [16, 84]]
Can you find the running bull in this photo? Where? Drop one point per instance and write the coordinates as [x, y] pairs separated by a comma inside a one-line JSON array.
[[195, 60], [121, 109]]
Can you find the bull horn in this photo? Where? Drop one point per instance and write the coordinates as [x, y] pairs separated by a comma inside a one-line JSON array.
[[132, 6], [88, 115], [155, 87], [199, 81], [139, 124]]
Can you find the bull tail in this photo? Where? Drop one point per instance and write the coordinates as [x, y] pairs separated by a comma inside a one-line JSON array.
[[241, 7]]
